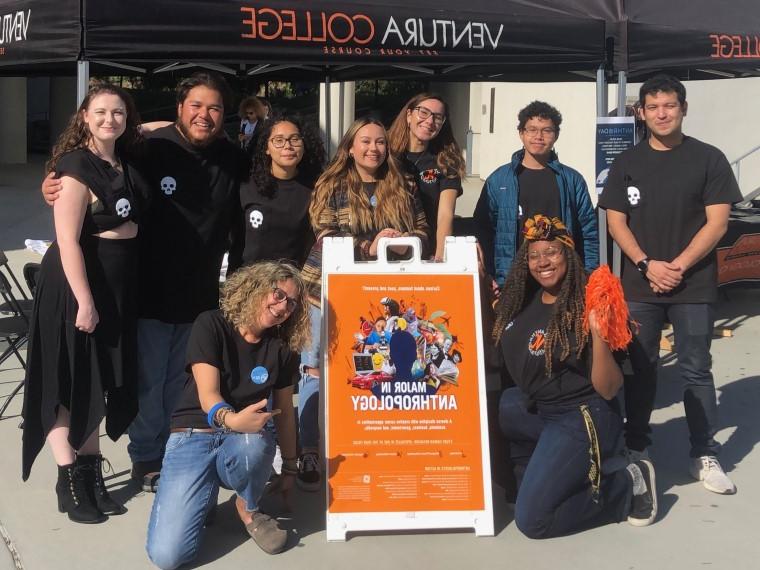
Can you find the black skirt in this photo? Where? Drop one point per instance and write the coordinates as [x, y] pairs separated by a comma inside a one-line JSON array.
[[91, 375]]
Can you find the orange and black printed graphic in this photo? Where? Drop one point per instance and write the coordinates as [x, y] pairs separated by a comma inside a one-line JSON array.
[[536, 342], [430, 175]]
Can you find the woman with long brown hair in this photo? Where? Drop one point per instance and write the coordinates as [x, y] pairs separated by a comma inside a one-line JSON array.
[[562, 419], [363, 193], [82, 347], [422, 138]]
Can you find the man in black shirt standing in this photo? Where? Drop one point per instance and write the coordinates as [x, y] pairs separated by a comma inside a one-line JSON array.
[[195, 175], [668, 200]]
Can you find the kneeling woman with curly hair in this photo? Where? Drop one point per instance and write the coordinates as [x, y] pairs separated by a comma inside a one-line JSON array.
[[237, 357], [562, 419]]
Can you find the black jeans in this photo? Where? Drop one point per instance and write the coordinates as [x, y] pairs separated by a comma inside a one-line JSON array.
[[693, 328], [551, 451]]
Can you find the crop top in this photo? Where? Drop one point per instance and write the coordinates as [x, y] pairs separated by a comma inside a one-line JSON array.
[[118, 200]]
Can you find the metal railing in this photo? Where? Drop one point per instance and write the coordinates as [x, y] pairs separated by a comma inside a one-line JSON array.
[[736, 166]]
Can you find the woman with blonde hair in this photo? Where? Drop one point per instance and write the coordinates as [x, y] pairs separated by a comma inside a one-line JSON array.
[[238, 357], [363, 193], [422, 138]]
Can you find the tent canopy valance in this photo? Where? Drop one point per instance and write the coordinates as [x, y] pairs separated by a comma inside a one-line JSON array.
[[443, 39]]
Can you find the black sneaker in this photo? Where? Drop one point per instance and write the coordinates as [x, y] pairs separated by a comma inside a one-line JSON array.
[[309, 476], [146, 474], [644, 506]]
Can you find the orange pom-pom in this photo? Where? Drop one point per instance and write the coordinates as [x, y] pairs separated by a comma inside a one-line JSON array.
[[604, 296]]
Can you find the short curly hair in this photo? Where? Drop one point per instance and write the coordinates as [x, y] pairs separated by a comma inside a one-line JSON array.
[[244, 292], [541, 110]]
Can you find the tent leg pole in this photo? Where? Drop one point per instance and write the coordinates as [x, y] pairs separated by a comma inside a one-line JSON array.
[[328, 118], [601, 111], [83, 80], [617, 254]]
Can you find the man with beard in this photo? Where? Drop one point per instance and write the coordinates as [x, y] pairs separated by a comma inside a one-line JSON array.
[[194, 173]]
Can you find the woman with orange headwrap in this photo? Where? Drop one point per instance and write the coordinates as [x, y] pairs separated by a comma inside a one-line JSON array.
[[568, 373]]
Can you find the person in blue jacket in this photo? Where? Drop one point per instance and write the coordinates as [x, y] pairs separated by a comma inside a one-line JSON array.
[[534, 182]]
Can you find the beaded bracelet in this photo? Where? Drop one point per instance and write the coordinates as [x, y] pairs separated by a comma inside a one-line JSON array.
[[212, 412], [221, 418]]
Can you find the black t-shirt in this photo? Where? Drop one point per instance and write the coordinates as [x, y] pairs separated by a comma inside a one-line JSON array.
[[247, 372], [277, 227], [664, 194], [522, 346], [186, 231], [430, 182], [538, 194]]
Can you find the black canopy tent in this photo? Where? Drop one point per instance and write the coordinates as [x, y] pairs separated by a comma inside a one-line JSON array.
[[319, 41], [443, 40], [693, 39]]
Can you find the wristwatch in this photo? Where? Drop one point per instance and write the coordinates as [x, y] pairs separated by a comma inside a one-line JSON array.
[[642, 266]]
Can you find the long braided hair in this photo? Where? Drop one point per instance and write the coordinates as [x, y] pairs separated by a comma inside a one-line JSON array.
[[565, 328]]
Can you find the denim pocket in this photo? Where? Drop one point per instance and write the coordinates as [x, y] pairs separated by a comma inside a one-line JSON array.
[[177, 439]]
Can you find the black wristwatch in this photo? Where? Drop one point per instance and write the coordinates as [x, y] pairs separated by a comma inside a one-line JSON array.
[[642, 266]]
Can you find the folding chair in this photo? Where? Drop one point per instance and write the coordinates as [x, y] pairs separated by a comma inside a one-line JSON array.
[[14, 330], [25, 302]]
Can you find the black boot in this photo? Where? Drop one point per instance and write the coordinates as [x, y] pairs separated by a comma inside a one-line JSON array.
[[92, 465], [73, 498]]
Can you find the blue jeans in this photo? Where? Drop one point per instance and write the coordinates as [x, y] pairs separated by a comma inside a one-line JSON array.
[[308, 386], [554, 497], [693, 328], [161, 360], [195, 465]]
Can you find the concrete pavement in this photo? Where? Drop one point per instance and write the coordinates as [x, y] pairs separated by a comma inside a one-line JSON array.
[[695, 528]]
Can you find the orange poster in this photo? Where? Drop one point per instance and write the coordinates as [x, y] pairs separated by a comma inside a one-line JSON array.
[[404, 425]]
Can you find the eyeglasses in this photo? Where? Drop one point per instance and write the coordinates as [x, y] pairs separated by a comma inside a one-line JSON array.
[[546, 131], [424, 113], [550, 253], [279, 296], [294, 140]]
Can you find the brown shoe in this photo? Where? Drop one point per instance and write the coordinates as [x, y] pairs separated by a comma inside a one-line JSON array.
[[267, 534]]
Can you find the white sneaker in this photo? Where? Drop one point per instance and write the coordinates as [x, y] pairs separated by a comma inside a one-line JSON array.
[[708, 470]]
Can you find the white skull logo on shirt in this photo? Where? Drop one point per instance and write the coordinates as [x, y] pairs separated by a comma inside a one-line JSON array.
[[123, 207], [168, 185], [256, 218], [634, 196]]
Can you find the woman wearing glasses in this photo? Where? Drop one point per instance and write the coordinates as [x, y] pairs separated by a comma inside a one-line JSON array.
[[363, 193], [421, 136], [562, 418], [238, 357], [275, 202]]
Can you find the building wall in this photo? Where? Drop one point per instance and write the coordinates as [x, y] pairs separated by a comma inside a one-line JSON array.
[[13, 120]]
